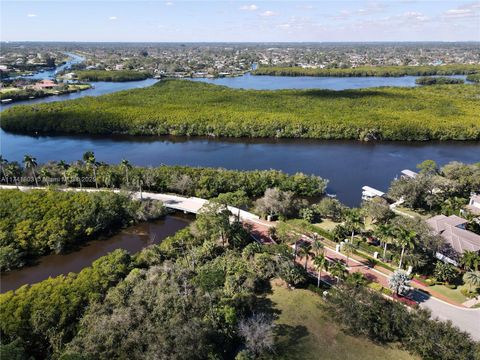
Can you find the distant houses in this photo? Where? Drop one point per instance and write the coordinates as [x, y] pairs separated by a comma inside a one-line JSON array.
[[44, 84]]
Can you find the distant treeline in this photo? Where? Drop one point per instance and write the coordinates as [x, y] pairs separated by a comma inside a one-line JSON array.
[[180, 107], [104, 75], [192, 181], [474, 78], [429, 80], [388, 71]]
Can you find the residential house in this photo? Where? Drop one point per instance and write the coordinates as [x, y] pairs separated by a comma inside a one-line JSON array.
[[474, 204], [457, 238], [44, 84]]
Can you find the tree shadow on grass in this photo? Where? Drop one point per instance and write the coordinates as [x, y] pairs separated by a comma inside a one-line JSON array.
[[288, 338]]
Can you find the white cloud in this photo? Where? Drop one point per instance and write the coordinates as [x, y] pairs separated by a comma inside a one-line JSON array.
[[31, 15], [458, 13], [252, 7], [112, 18], [466, 11], [169, 3], [269, 13], [284, 26]]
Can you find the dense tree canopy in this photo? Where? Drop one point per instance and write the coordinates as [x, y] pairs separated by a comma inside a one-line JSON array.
[[190, 181], [440, 80], [39, 222], [367, 313], [186, 298], [361, 71], [192, 108]]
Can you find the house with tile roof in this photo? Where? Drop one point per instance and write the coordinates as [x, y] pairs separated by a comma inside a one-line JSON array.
[[457, 238]]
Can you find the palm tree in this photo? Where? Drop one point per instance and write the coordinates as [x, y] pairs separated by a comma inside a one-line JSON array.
[[31, 163], [13, 170], [91, 161], [338, 270], [125, 164], [304, 252], [405, 238], [348, 249], [399, 281], [317, 246], [385, 232], [74, 173], [472, 279], [320, 262], [470, 260], [138, 179], [63, 167], [356, 279], [353, 221], [44, 175], [3, 164]]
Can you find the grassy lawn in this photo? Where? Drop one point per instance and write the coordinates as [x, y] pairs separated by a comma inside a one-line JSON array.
[[327, 224], [413, 213], [452, 294], [305, 333]]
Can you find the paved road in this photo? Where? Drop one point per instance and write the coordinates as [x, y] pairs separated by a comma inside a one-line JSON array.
[[466, 319]]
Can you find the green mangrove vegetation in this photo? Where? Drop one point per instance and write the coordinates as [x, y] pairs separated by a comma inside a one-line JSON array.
[[40, 222], [474, 78], [176, 107], [441, 80], [189, 181], [388, 71], [117, 75]]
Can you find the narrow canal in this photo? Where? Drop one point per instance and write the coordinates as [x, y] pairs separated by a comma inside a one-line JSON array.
[[132, 239]]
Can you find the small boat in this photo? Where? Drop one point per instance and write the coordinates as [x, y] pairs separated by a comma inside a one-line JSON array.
[[331, 195]]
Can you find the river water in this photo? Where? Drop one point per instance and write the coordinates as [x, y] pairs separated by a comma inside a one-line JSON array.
[[132, 239], [348, 164], [249, 81]]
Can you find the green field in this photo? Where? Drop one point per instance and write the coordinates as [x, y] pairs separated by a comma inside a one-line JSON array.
[[304, 332], [362, 71], [176, 107]]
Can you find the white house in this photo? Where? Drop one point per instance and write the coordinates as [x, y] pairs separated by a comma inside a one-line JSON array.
[[474, 204]]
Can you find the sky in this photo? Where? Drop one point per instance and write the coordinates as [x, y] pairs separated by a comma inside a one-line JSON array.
[[239, 21]]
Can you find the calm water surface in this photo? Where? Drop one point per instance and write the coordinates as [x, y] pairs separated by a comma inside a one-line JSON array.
[[249, 81], [348, 164], [132, 239]]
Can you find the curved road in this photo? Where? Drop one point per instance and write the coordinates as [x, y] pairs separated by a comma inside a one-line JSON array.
[[466, 319]]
